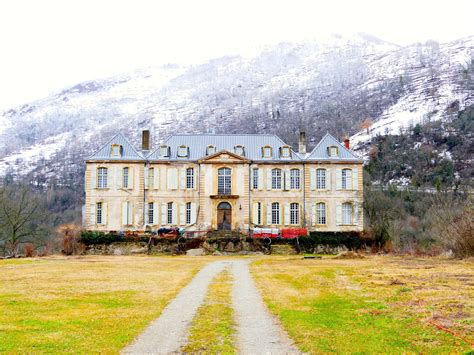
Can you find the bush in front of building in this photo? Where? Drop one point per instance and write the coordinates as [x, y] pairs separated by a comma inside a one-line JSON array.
[[350, 240], [95, 237]]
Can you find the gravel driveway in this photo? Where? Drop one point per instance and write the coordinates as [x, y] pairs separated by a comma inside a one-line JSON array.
[[257, 331]]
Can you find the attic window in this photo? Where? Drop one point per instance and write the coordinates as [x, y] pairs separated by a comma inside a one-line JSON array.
[[332, 151], [164, 151], [267, 151], [210, 149], [285, 152], [116, 150], [183, 151], [239, 149]]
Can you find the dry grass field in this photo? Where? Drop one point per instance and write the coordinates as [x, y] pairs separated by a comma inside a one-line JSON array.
[[85, 304], [372, 305]]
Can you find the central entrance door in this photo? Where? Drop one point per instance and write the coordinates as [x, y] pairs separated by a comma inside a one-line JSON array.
[[224, 216]]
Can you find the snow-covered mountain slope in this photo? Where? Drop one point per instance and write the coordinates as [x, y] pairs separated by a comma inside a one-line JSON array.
[[326, 85]]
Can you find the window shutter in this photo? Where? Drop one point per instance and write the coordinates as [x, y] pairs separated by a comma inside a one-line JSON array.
[[147, 211], [118, 177], [252, 173], [195, 172], [193, 213], [164, 209], [104, 213], [287, 179], [130, 213], [338, 214], [174, 214], [182, 214], [156, 178], [269, 179], [124, 213], [151, 178], [93, 178], [269, 213], [313, 214], [260, 179], [145, 176], [182, 178], [172, 179], [355, 179], [328, 179], [287, 214], [280, 214], [255, 213], [92, 211], [131, 174], [312, 179], [356, 215], [338, 179]]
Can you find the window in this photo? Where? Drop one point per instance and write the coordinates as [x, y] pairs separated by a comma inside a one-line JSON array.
[[183, 151], [116, 150], [259, 213], [188, 213], [275, 213], [102, 178], [170, 213], [255, 178], [239, 149], [151, 177], [295, 179], [347, 213], [320, 179], [125, 177], [99, 213], [150, 213], [346, 179], [224, 182], [333, 151], [285, 152], [210, 150], [276, 178], [190, 178], [267, 152], [164, 151], [294, 213], [321, 213]]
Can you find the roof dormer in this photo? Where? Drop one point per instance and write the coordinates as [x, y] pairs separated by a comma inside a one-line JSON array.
[[285, 152], [211, 149], [116, 150], [267, 152], [333, 151], [165, 151], [239, 150], [183, 151]]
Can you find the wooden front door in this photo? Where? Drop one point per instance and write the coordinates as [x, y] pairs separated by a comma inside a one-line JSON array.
[[224, 216]]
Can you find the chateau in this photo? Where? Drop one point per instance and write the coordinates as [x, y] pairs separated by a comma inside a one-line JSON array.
[[223, 181]]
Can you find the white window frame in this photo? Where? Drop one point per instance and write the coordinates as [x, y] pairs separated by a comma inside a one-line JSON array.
[[294, 213], [347, 213], [102, 174], [125, 177], [169, 212], [164, 151], [285, 152], [321, 213], [151, 213], [346, 179], [182, 151], [275, 213], [211, 149], [266, 151], [224, 181], [188, 212], [190, 178], [295, 179], [116, 150], [321, 178], [255, 172], [276, 179], [98, 213], [239, 150], [333, 151]]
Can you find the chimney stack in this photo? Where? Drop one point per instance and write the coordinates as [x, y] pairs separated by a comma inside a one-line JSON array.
[[347, 142], [146, 140], [302, 143]]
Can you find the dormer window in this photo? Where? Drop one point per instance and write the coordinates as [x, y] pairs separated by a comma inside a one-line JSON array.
[[183, 151], [239, 150], [164, 151], [332, 151], [210, 150], [116, 150], [285, 152], [267, 151]]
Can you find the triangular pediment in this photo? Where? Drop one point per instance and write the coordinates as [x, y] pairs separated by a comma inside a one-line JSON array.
[[224, 156]]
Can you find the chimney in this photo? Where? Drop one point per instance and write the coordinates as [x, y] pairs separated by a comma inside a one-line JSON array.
[[146, 140], [346, 142], [302, 143]]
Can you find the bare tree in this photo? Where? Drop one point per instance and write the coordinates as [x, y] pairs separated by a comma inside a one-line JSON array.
[[22, 218]]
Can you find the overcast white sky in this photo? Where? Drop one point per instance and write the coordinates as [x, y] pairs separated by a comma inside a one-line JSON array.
[[48, 44]]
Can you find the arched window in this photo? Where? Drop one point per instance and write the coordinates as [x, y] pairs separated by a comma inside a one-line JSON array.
[[294, 213], [321, 213], [347, 213], [346, 179], [102, 178], [295, 179], [276, 179], [190, 178], [275, 213], [224, 181], [321, 179]]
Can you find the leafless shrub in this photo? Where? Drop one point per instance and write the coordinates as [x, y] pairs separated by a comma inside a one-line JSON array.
[[29, 250], [69, 235]]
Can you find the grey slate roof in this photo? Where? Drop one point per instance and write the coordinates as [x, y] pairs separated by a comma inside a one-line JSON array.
[[128, 152], [320, 152], [198, 144]]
